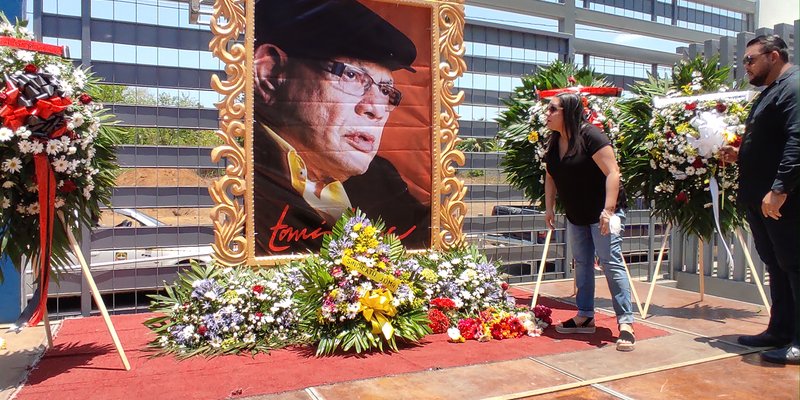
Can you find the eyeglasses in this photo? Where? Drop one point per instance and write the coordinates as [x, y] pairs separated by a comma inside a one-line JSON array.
[[748, 60], [354, 80], [551, 109]]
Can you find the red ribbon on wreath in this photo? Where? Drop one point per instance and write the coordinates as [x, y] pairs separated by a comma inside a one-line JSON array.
[[611, 91], [591, 115]]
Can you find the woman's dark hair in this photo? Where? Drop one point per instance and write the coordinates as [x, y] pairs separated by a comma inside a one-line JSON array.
[[574, 117]]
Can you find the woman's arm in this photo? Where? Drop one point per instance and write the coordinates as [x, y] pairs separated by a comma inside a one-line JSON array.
[[549, 201], [604, 158]]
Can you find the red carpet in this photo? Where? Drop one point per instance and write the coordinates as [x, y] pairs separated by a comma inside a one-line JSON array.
[[84, 365]]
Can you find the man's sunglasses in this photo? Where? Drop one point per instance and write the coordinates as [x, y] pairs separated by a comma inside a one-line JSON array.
[[356, 81], [748, 60]]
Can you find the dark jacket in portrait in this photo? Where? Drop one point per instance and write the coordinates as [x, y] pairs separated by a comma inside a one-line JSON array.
[[285, 223]]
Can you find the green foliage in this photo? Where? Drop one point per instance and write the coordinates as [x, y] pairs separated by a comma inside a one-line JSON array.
[[523, 135], [640, 147]]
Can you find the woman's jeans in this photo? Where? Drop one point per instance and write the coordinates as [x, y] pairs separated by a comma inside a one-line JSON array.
[[586, 241]]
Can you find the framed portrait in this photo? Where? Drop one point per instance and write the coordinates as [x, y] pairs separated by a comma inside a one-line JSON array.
[[330, 105]]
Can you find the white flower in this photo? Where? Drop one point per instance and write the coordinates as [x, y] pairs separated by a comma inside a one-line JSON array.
[[25, 56], [37, 147], [53, 147], [690, 170], [6, 134], [8, 184], [60, 165], [12, 165], [5, 203], [53, 69], [33, 209], [23, 133], [80, 77], [59, 202]]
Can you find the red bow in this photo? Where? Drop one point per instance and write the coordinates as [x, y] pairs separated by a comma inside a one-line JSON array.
[[584, 90]]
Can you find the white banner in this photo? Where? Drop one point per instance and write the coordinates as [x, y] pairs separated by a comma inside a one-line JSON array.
[[661, 102]]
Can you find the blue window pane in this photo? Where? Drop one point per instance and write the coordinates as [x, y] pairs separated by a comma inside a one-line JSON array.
[[103, 9]]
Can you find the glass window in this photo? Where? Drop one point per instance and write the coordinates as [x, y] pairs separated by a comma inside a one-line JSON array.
[[125, 53], [103, 9]]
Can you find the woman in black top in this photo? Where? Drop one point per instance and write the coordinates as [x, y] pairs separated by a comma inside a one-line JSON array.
[[582, 170]]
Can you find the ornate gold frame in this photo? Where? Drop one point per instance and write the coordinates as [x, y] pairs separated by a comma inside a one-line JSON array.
[[231, 192]]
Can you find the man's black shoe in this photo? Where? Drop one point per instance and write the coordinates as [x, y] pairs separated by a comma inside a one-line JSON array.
[[785, 355], [764, 339]]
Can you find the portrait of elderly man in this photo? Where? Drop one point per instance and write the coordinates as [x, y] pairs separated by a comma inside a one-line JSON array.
[[323, 92]]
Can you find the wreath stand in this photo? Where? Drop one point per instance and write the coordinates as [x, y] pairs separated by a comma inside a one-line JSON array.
[[750, 265], [543, 261], [87, 275]]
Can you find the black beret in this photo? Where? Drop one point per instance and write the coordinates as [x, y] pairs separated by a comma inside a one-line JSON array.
[[325, 29]]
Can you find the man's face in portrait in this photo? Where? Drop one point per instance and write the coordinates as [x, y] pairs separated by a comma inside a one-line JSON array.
[[334, 114]]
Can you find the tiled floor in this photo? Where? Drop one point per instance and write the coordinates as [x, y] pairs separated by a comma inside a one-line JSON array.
[[699, 359]]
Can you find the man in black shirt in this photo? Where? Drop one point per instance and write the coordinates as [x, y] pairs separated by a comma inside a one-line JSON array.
[[769, 171]]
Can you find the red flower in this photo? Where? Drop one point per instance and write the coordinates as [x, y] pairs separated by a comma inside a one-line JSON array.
[[3, 97], [258, 289], [469, 327], [585, 101], [737, 141], [721, 107], [85, 99], [202, 330], [543, 313], [259, 314], [438, 321], [690, 106], [68, 186], [443, 303], [669, 134], [31, 69], [682, 197], [572, 80], [504, 286], [697, 163]]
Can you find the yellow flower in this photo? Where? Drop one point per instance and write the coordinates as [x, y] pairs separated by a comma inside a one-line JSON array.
[[334, 293], [381, 265], [683, 128], [533, 137], [357, 227], [370, 230], [429, 275]]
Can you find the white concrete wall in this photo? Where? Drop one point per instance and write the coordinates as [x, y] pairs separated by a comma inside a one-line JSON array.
[[771, 12]]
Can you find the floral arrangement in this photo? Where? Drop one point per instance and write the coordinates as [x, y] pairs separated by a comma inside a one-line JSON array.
[[468, 299], [465, 277], [360, 292], [47, 112], [497, 324], [523, 134], [213, 310], [672, 151]]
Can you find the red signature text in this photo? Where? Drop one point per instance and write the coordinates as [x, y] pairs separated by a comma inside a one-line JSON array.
[[283, 233]]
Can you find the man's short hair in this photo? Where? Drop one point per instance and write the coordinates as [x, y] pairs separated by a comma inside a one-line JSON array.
[[772, 43], [325, 29]]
